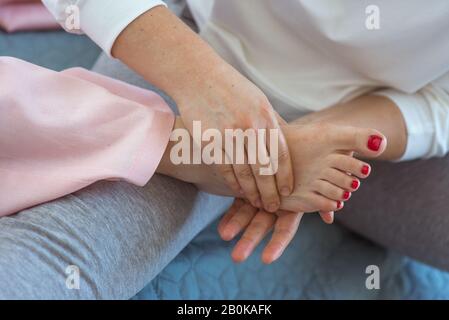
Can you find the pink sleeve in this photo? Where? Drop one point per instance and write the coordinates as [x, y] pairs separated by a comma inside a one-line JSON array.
[[60, 132], [21, 16]]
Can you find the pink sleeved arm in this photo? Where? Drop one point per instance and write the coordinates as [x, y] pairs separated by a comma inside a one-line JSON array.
[[62, 131], [18, 15]]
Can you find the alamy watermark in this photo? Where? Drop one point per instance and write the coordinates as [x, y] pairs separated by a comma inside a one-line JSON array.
[[73, 18], [372, 21], [372, 282], [236, 147], [72, 281]]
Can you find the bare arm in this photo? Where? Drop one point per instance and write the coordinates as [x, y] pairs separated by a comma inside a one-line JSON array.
[[168, 54]]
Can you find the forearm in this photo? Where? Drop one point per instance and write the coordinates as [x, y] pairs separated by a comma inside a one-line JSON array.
[[370, 111], [161, 48]]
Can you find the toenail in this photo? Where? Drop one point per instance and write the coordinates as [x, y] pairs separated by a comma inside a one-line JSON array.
[[374, 142], [355, 184], [365, 170], [339, 204], [346, 195]]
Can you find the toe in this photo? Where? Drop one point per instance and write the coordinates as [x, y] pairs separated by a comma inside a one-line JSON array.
[[324, 204], [366, 142], [331, 191], [341, 179], [350, 165]]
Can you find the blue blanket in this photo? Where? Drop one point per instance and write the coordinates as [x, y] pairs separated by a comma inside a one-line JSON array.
[[323, 262]]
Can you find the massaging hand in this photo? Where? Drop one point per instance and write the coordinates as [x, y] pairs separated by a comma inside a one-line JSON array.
[[160, 47], [227, 100], [325, 175]]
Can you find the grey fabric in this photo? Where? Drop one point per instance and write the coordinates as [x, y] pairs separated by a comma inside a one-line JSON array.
[[405, 207], [119, 235]]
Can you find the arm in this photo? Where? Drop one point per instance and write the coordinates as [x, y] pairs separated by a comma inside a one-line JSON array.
[[160, 47], [53, 144]]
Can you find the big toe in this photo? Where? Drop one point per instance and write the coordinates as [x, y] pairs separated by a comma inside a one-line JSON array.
[[366, 142]]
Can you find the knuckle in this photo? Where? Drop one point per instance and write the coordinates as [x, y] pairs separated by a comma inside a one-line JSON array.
[[245, 173], [283, 155], [226, 170], [265, 179]]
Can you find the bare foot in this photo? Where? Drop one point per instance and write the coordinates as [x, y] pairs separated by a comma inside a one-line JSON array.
[[326, 173]]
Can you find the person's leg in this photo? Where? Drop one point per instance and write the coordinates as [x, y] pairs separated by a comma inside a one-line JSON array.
[[118, 235]]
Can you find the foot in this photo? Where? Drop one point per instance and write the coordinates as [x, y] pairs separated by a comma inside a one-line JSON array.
[[326, 173]]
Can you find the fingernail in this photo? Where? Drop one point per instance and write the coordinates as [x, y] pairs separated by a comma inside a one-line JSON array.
[[374, 143], [346, 195], [258, 203], [355, 184], [365, 170], [273, 207], [285, 191], [339, 204]]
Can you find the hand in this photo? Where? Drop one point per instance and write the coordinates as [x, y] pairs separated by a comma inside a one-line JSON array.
[[257, 224], [227, 100], [161, 48]]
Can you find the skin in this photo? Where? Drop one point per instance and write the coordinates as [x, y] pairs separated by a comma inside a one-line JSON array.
[[169, 55], [166, 53], [324, 169], [366, 111]]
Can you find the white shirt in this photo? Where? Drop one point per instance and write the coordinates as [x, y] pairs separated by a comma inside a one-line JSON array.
[[308, 55]]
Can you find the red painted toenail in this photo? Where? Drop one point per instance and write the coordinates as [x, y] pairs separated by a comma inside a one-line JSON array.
[[365, 170], [355, 184], [374, 143], [346, 195], [339, 205]]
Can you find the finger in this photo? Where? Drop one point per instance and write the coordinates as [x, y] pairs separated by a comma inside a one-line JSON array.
[[227, 172], [279, 119], [284, 231], [265, 181], [327, 217], [259, 227], [281, 161], [247, 182], [228, 215], [239, 221]]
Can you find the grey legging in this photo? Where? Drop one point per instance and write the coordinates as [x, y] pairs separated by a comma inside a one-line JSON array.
[[121, 236]]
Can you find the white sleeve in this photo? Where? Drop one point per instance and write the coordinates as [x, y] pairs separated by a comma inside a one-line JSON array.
[[101, 20], [426, 115]]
